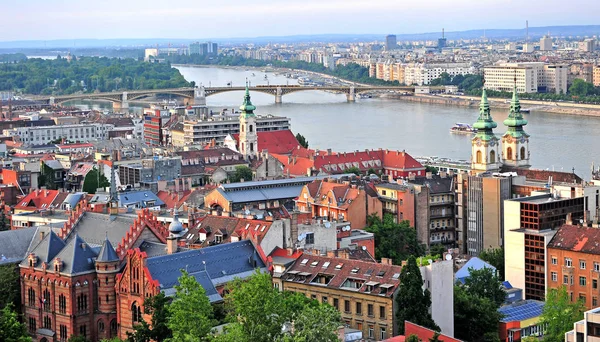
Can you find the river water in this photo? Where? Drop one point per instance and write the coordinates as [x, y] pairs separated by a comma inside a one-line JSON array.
[[558, 142]]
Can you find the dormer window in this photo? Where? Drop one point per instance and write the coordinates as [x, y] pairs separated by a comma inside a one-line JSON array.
[[218, 238]]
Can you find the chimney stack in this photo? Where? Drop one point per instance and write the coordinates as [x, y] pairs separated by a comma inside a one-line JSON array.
[[429, 175], [171, 245], [294, 227]]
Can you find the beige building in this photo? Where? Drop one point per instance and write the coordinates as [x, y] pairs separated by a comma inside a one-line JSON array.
[[596, 76], [586, 330], [423, 74], [389, 71], [531, 77], [546, 43]]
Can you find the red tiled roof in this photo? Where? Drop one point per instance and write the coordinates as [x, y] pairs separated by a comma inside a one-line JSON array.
[[38, 199], [344, 269], [543, 175], [281, 252], [399, 160], [244, 228], [173, 199], [280, 142], [577, 239]]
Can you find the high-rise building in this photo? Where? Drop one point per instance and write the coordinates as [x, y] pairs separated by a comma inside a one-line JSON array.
[[588, 45], [531, 77], [203, 48], [546, 43], [390, 42], [195, 48]]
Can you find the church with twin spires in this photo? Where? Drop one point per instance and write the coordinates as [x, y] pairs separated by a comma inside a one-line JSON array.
[[490, 153]]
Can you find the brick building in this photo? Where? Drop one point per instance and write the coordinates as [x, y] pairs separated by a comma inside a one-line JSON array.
[[573, 259]]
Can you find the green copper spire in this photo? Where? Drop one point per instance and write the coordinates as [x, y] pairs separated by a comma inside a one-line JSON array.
[[247, 107], [485, 124], [515, 120]]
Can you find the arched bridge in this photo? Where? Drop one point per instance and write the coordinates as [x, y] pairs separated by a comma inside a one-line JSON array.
[[198, 95]]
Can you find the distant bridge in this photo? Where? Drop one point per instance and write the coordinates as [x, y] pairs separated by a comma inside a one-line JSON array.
[[198, 95]]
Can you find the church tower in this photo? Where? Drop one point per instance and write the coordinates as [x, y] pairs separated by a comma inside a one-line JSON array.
[[484, 146], [248, 138], [515, 142]]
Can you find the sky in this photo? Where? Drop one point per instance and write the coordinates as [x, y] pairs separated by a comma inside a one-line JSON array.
[[197, 19]]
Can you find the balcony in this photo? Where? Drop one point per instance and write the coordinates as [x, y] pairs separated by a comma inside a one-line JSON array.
[[388, 199], [438, 215], [442, 229], [442, 203]]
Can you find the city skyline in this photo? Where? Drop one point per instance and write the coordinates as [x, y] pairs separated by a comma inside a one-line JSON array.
[[234, 18]]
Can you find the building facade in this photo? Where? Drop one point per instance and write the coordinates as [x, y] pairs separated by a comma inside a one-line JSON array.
[[43, 135], [531, 77]]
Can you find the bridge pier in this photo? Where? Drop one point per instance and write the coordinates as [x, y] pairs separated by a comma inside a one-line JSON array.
[[199, 96], [278, 95], [51, 101], [351, 95]]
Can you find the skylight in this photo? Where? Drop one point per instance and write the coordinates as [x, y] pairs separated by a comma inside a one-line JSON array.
[[304, 261]]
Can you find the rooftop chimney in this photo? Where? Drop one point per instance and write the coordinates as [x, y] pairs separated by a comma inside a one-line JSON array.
[[429, 175], [171, 245]]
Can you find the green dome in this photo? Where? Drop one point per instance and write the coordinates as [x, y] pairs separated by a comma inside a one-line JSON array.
[[247, 107], [515, 117], [484, 121]]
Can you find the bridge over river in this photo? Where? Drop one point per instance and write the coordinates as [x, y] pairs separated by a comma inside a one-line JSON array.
[[198, 95]]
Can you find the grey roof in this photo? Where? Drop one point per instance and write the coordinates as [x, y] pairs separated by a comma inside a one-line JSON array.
[[54, 164], [77, 257], [264, 194], [210, 265], [153, 249], [280, 182], [47, 249], [95, 227], [15, 244], [436, 184], [392, 186], [73, 199], [107, 252], [133, 197]]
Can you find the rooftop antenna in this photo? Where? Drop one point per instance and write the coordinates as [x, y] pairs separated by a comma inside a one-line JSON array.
[[527, 31], [442, 33]]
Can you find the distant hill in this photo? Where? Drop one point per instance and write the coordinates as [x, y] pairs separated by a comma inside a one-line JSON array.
[[534, 33]]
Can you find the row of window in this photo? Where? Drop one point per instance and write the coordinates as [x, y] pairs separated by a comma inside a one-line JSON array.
[[358, 307], [568, 280], [582, 263]]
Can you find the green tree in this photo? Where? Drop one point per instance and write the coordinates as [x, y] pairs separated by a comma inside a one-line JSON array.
[[241, 172], [3, 221], [77, 338], [353, 170], [11, 329], [114, 339], [435, 337], [485, 283], [315, 324], [434, 170], [475, 318], [10, 285], [396, 241], [47, 177], [93, 181], [413, 338], [582, 88], [158, 329], [560, 314], [190, 313], [495, 257], [412, 301], [302, 140], [371, 171]]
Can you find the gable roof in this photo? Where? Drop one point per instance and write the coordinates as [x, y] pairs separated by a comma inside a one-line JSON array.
[[280, 142], [141, 197], [577, 239], [173, 199], [37, 199], [211, 266], [76, 257], [47, 249], [474, 263], [95, 228], [15, 244]]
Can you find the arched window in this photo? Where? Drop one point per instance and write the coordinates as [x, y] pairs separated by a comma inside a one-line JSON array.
[[136, 311], [523, 153], [492, 156], [62, 303], [478, 157], [100, 326], [251, 128], [113, 328], [509, 153]]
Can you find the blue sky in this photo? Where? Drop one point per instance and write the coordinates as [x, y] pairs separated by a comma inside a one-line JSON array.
[[196, 19]]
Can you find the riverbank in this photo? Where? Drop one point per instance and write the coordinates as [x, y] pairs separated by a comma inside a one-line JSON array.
[[534, 106]]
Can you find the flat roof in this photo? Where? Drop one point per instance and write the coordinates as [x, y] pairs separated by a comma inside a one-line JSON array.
[[234, 186]]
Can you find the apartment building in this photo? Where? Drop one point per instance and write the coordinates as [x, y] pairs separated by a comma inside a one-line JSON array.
[[43, 135], [530, 77], [588, 329], [218, 127], [423, 74]]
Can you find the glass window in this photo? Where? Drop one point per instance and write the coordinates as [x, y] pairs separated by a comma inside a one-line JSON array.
[[582, 264], [347, 306], [554, 276], [382, 333], [568, 262], [554, 261], [382, 312], [582, 281]]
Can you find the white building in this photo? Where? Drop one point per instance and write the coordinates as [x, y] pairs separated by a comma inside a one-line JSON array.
[[531, 77], [546, 43], [43, 135], [423, 74]]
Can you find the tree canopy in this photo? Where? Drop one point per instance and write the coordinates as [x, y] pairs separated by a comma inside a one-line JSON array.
[[485, 283], [302, 140], [86, 74], [396, 241], [495, 257], [475, 318], [560, 314], [93, 181], [157, 306], [10, 285], [11, 329], [190, 313], [353, 169], [241, 172], [412, 301]]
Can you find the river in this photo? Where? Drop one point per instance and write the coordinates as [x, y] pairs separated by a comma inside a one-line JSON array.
[[559, 142]]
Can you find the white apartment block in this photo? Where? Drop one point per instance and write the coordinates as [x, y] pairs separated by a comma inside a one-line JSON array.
[[531, 77], [43, 135], [546, 44], [423, 74]]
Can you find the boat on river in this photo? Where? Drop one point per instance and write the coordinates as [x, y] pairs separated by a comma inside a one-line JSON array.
[[463, 128]]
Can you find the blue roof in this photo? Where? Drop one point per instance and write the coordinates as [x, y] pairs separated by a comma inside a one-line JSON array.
[[474, 263], [211, 266], [73, 199], [133, 197], [522, 310], [275, 182], [265, 194]]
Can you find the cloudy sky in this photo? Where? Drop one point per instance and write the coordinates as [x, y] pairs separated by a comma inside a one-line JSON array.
[[74, 19]]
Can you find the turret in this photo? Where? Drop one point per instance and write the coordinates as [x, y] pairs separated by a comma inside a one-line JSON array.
[[107, 268], [248, 136], [515, 141], [484, 146]]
